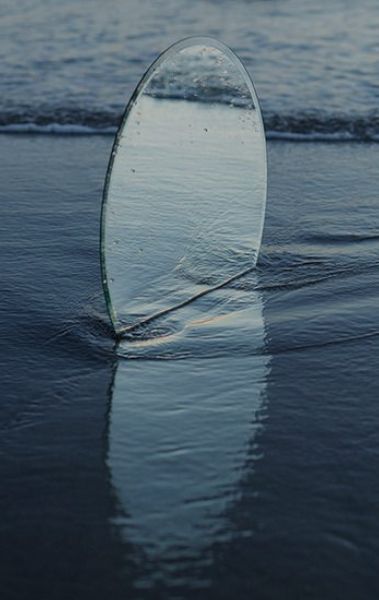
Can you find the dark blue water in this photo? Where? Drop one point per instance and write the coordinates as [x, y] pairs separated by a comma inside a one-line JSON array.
[[244, 470], [238, 457], [72, 65]]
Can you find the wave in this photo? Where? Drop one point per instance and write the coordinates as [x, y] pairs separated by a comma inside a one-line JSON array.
[[323, 127], [345, 339], [342, 238], [57, 129], [60, 120], [305, 127]]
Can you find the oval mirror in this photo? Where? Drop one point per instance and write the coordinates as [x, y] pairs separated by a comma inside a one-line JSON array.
[[185, 191]]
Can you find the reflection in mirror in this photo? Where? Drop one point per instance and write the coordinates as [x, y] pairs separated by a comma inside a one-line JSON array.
[[182, 436], [186, 186]]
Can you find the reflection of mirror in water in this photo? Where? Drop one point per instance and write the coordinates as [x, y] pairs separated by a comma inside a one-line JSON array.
[[186, 188], [181, 431], [181, 229]]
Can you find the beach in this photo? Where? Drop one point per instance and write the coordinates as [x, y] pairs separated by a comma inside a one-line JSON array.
[[273, 484]]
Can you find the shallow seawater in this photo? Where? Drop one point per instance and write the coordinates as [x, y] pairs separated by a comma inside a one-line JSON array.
[[71, 66], [227, 450]]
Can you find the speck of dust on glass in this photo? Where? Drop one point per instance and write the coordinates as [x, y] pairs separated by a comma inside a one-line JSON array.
[[185, 192]]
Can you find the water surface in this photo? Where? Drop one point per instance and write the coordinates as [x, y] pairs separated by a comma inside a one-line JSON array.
[[236, 458], [69, 66]]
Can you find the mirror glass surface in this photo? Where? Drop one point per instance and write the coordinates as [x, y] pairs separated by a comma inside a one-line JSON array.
[[185, 192]]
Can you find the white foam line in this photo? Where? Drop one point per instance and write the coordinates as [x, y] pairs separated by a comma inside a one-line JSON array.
[[78, 129], [56, 128], [340, 136]]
